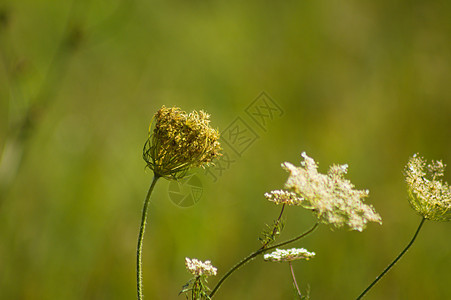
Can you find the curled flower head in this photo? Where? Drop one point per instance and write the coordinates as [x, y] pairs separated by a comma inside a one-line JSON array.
[[281, 255], [199, 268], [330, 196], [180, 141], [428, 194], [283, 197]]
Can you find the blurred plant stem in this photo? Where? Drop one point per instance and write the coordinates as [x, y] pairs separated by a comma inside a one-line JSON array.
[[141, 238], [258, 252], [24, 120], [394, 261]]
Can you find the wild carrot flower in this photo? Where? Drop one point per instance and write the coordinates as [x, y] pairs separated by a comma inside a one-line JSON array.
[[428, 194], [199, 268], [197, 287], [281, 255], [283, 197], [330, 196], [180, 141]]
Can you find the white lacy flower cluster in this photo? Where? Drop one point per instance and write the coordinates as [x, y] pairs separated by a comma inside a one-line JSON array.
[[199, 268], [281, 255], [428, 194], [330, 196], [283, 197]]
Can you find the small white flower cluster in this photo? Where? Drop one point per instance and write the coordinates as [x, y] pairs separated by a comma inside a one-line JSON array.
[[330, 196], [283, 197], [199, 268], [281, 255], [428, 194]]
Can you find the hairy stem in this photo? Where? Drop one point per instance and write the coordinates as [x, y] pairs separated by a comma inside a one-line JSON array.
[[141, 239], [256, 253], [393, 262], [294, 280]]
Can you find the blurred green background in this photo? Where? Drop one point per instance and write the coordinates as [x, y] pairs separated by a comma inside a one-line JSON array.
[[363, 83]]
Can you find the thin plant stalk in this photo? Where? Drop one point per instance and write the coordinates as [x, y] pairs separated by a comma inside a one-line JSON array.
[[142, 228], [394, 262], [256, 253], [275, 227], [295, 283]]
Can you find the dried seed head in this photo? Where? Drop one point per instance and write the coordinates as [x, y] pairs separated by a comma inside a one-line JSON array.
[[428, 194], [330, 196], [180, 141]]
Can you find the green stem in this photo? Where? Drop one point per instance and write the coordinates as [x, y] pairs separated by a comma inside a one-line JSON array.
[[394, 262], [274, 231], [141, 239], [255, 254], [294, 280]]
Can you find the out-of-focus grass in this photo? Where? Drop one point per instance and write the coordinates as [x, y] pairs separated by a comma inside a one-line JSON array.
[[360, 83]]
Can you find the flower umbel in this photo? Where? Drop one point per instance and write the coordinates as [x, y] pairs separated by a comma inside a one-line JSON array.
[[283, 197], [281, 255], [180, 141], [330, 196], [197, 286], [199, 268], [428, 194]]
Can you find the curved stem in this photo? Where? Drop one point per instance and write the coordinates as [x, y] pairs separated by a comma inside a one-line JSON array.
[[294, 239], [294, 280], [141, 238], [394, 262], [255, 254]]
